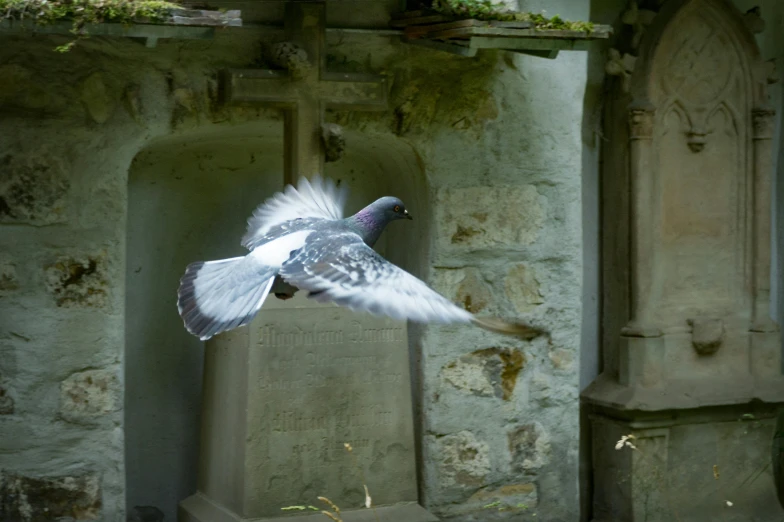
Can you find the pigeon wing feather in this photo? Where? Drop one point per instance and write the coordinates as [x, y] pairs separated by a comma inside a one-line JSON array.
[[318, 198], [341, 268]]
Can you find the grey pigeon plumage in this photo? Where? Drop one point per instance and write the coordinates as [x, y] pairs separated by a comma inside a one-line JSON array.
[[298, 239]]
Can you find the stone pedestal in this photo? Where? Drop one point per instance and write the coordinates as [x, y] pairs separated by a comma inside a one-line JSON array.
[[284, 395], [692, 359]]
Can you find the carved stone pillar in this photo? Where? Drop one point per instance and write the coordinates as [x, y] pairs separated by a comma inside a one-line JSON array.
[[765, 339]]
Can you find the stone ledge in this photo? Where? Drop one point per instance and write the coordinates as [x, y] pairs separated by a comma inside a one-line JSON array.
[[605, 392]]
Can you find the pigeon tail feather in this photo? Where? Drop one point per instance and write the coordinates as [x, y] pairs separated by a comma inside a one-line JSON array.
[[516, 329], [217, 296]]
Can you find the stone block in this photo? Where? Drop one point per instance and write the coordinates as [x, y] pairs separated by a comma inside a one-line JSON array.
[[79, 281], [6, 400], [509, 500], [522, 288], [88, 395], [490, 372], [530, 448], [463, 463], [32, 499], [464, 286], [33, 188], [687, 468], [8, 278], [474, 218], [97, 98]]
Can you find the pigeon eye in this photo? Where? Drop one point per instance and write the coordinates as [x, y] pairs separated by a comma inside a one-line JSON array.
[[397, 208]]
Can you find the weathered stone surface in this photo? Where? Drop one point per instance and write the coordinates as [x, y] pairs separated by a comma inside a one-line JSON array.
[[79, 281], [21, 88], [145, 514], [334, 141], [32, 499], [487, 217], [97, 99], [132, 101], [530, 447], [463, 461], [33, 188], [86, 395], [8, 279], [488, 372], [6, 401], [562, 359], [522, 288], [510, 498], [706, 335], [465, 286], [548, 390]]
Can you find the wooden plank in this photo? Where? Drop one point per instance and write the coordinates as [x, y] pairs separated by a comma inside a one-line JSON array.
[[422, 20], [197, 17], [463, 29], [425, 31], [511, 25]]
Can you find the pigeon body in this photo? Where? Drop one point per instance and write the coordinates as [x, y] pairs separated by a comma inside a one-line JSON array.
[[298, 239]]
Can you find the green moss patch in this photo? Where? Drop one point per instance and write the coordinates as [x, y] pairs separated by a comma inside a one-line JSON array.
[[488, 10], [85, 12]]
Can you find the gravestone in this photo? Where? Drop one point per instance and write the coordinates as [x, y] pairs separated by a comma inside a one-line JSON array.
[[692, 358], [284, 395]]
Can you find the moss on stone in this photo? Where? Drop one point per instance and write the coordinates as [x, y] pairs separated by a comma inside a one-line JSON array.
[[488, 10], [85, 12]]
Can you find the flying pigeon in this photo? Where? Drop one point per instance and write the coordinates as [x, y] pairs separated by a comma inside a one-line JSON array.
[[298, 239]]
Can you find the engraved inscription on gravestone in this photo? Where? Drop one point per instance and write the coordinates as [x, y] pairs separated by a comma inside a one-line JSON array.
[[331, 376], [316, 376]]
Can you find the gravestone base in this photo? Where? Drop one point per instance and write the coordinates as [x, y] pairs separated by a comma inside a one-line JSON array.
[[199, 508], [689, 465]]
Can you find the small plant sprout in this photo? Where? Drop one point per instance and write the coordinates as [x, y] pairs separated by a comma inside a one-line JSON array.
[[368, 500], [334, 516], [625, 441]]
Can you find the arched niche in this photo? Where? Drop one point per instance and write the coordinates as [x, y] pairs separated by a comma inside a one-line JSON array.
[[189, 198]]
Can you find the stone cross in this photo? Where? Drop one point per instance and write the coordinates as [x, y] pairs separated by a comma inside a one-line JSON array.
[[306, 89]]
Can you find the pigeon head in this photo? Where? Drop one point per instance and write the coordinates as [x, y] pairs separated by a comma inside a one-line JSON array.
[[371, 220], [390, 208]]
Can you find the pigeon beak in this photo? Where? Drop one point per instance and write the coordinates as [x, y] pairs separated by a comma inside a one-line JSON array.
[[408, 216]]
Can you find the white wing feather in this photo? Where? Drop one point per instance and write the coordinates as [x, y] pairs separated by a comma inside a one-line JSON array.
[[319, 198]]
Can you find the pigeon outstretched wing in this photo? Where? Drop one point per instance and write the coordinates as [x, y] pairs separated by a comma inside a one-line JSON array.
[[342, 269], [316, 199]]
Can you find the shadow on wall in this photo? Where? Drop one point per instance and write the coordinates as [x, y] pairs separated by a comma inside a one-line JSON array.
[[189, 199]]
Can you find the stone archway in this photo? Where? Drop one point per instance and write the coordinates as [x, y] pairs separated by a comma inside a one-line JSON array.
[[189, 199]]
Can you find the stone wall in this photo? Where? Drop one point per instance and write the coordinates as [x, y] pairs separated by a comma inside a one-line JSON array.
[[499, 140]]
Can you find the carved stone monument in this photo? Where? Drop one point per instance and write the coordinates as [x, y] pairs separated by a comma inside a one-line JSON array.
[[692, 364], [284, 395]]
